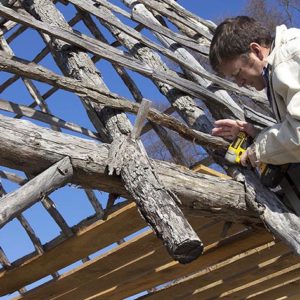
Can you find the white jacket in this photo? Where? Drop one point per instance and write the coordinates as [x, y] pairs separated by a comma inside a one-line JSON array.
[[280, 143]]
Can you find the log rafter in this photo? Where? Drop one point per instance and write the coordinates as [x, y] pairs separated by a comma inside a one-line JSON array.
[[136, 172], [116, 168]]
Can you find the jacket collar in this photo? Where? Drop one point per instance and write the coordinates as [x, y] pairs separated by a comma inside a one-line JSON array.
[[276, 43]]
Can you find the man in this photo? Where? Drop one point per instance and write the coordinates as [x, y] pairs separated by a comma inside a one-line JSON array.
[[243, 50]]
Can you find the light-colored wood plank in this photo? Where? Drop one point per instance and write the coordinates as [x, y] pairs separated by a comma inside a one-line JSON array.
[[150, 268], [212, 255], [290, 270], [84, 242], [128, 254], [238, 280], [206, 170], [235, 265], [287, 289]]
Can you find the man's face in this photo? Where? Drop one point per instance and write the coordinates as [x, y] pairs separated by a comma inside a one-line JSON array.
[[245, 70]]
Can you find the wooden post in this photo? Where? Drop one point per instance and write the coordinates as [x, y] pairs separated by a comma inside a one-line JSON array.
[[137, 174], [16, 202]]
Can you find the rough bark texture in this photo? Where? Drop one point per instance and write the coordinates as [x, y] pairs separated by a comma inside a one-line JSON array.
[[127, 160], [28, 147], [185, 247], [51, 179], [275, 215], [140, 13], [184, 104], [108, 99]]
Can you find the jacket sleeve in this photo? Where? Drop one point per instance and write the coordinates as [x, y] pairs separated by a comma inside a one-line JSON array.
[[280, 143]]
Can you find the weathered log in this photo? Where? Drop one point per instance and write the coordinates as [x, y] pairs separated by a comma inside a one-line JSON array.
[[83, 89], [208, 195], [139, 12], [163, 134], [165, 217], [183, 103], [278, 219], [117, 56], [198, 193], [184, 246], [51, 179], [29, 112]]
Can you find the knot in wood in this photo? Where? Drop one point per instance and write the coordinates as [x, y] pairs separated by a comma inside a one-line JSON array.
[[33, 139]]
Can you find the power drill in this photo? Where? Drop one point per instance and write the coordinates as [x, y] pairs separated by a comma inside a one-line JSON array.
[[270, 175]]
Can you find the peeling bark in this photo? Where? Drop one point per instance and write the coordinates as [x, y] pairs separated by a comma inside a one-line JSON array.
[[183, 247]]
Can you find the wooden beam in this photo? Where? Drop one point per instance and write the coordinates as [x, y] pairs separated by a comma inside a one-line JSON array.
[[284, 288], [20, 139], [139, 178], [144, 264], [85, 241], [118, 56], [16, 202], [27, 111], [276, 216], [128, 255], [287, 271], [206, 170], [83, 89]]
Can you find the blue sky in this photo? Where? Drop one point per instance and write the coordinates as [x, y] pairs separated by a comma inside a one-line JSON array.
[[13, 239]]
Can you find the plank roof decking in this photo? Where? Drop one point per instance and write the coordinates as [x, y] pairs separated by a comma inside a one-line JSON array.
[[80, 75]]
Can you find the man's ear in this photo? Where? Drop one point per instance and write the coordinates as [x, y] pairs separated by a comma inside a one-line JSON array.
[[257, 50]]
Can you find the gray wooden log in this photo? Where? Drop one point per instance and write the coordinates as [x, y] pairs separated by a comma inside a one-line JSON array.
[[165, 217], [187, 15], [21, 139], [184, 104], [16, 202], [185, 246], [19, 66], [201, 194], [28, 229], [140, 12], [22, 110], [118, 56], [190, 43], [163, 134], [277, 218]]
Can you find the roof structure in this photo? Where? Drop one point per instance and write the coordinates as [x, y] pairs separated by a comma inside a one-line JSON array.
[[172, 229]]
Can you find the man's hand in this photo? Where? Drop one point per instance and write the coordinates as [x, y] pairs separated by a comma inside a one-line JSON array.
[[229, 129], [249, 157]]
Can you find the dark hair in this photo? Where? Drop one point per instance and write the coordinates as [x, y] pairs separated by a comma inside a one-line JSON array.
[[233, 38]]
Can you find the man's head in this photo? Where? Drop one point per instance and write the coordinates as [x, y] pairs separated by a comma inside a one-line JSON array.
[[238, 50]]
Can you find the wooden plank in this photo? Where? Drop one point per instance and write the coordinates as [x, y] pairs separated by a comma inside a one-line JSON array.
[[235, 265], [287, 289], [221, 287], [131, 253], [171, 271], [206, 170], [145, 270], [289, 270], [294, 297], [84, 242]]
